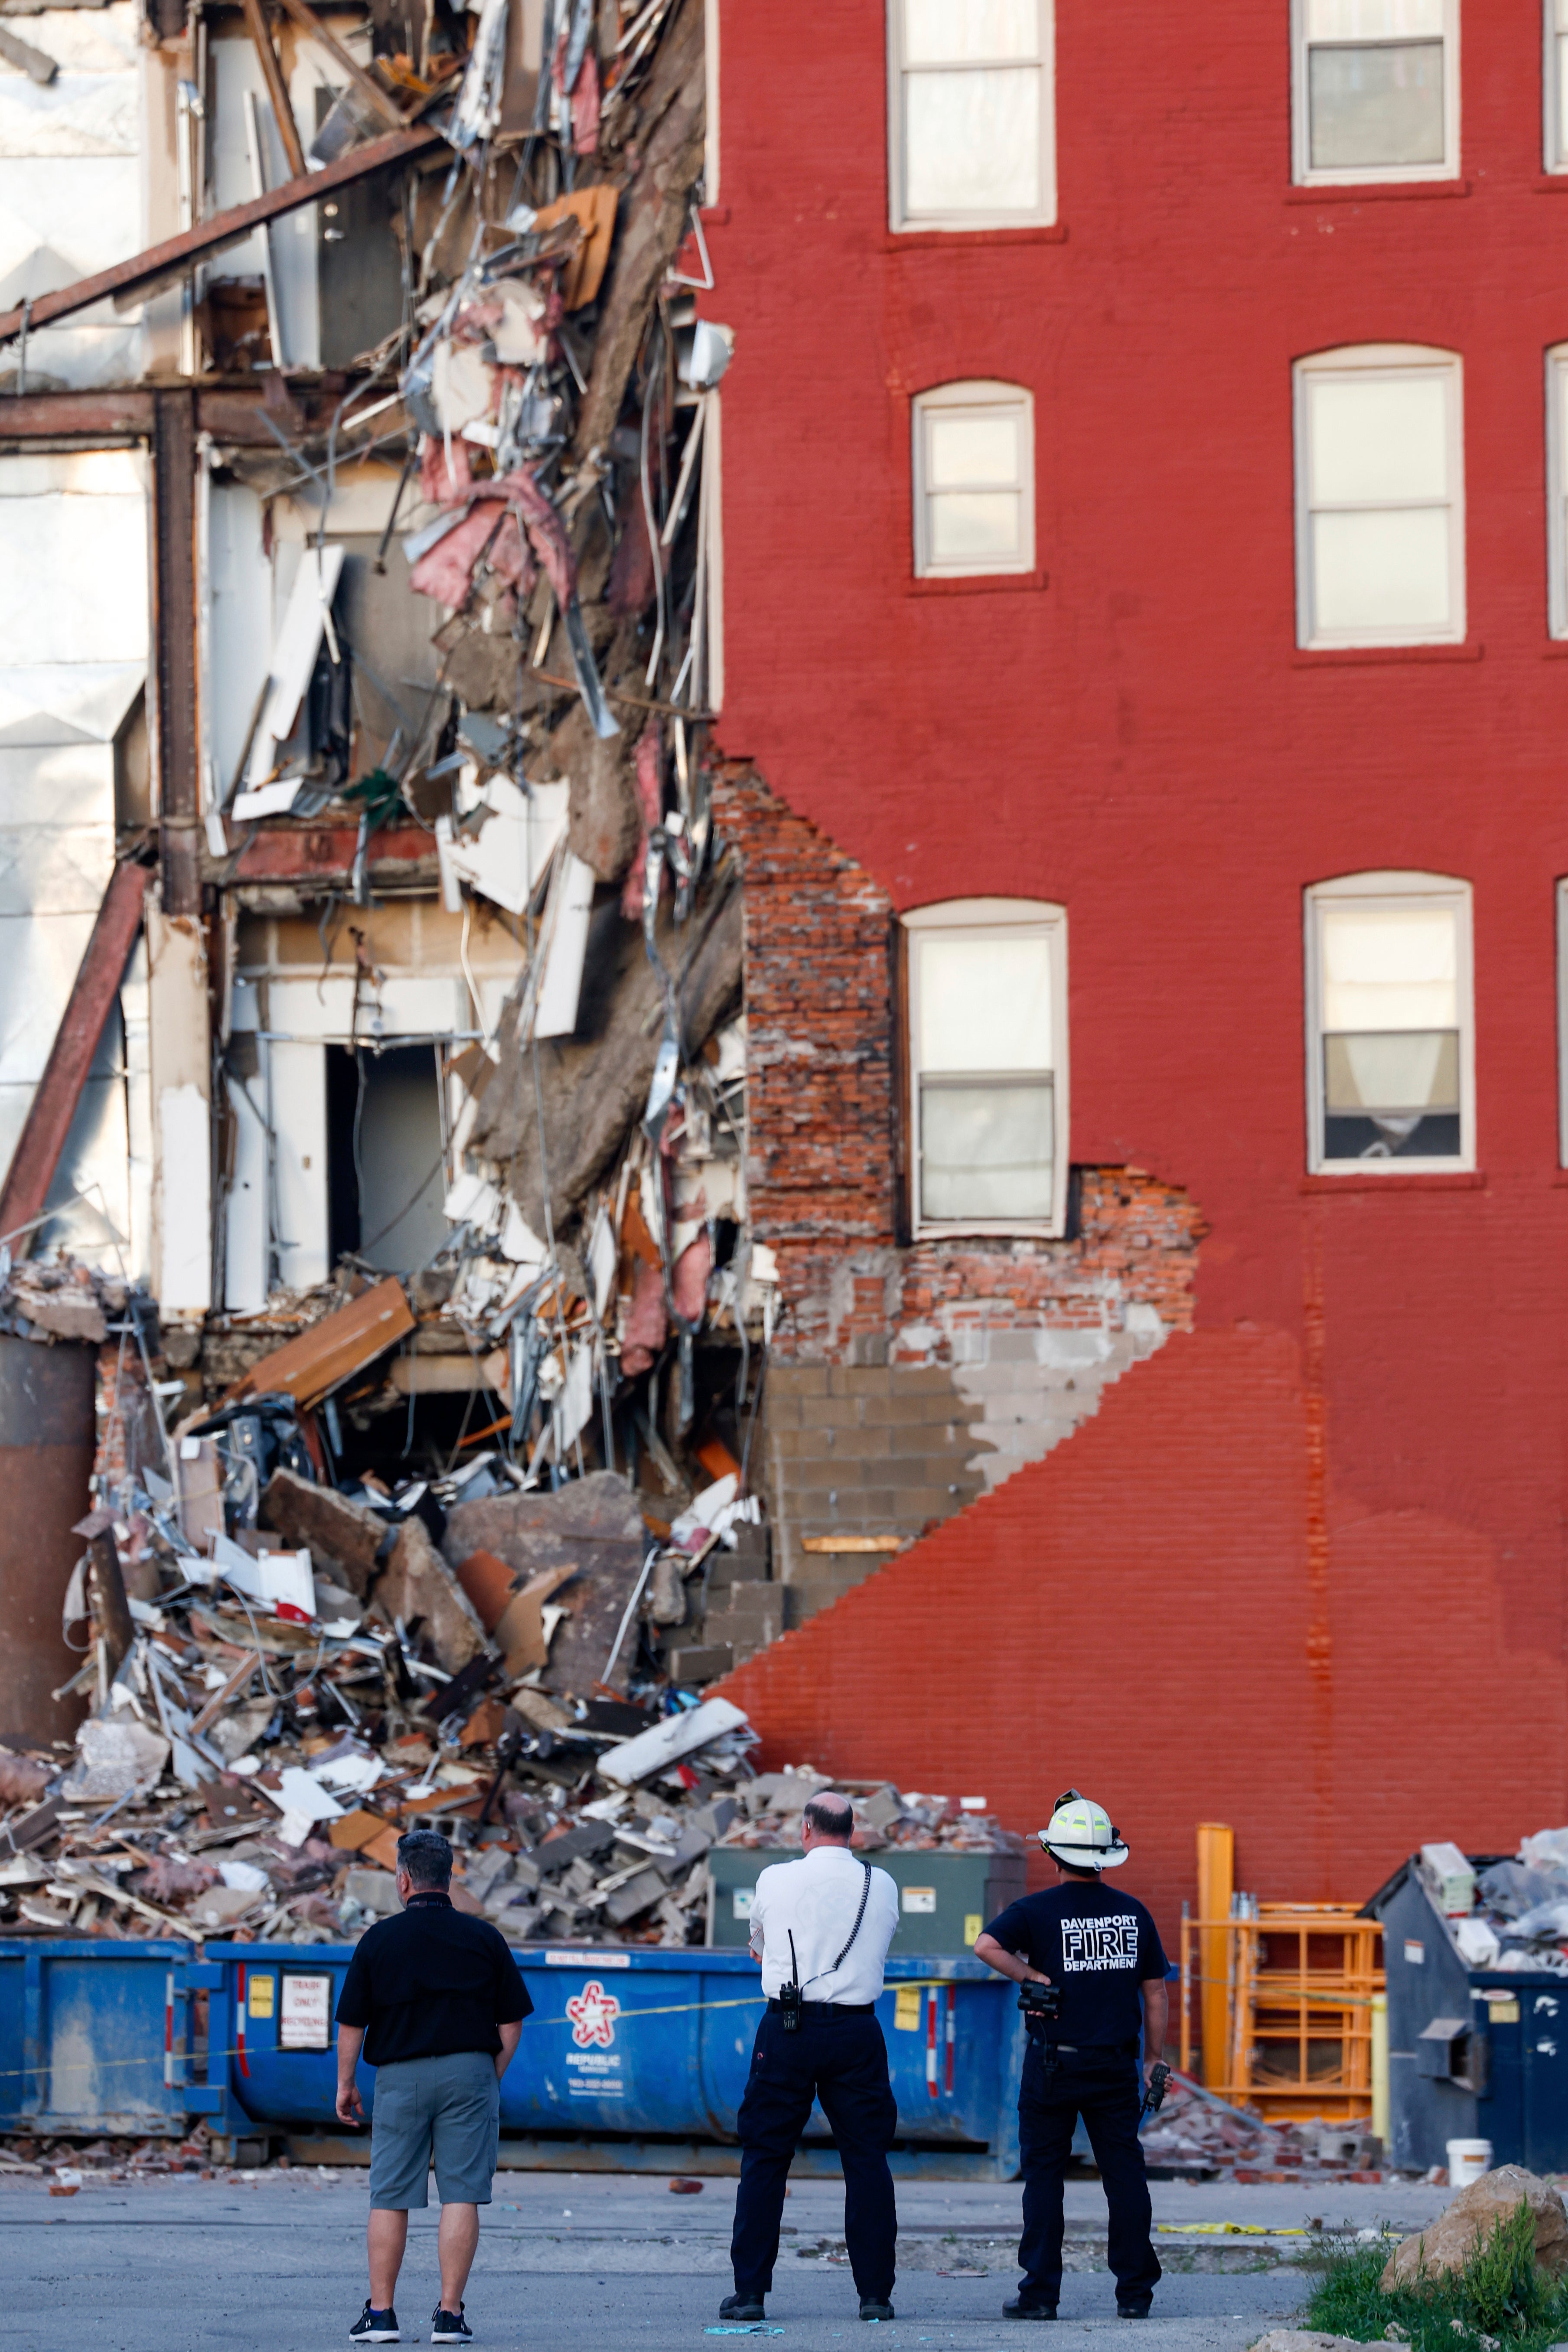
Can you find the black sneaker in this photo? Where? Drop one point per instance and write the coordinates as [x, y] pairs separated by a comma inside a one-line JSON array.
[[1022, 2308], [872, 2308], [374, 2326], [449, 2326], [742, 2306], [1133, 2310]]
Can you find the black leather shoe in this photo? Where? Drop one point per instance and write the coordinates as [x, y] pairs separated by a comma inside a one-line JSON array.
[[871, 2309], [742, 2306], [1132, 2310], [1021, 2308]]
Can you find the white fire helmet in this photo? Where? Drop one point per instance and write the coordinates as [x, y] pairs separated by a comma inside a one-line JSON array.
[[1080, 1834]]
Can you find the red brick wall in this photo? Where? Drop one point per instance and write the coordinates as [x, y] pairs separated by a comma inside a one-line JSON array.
[[1140, 742], [1138, 1614], [823, 1114]]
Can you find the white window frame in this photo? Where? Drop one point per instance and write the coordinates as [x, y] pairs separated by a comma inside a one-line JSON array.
[[1015, 918], [1401, 890], [982, 392], [1555, 117], [1381, 360], [1369, 174], [900, 220], [1557, 489]]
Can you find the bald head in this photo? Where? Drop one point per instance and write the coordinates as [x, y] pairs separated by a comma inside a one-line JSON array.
[[829, 1817]]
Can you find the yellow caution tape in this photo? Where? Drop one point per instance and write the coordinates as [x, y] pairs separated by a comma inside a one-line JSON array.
[[1227, 2229]]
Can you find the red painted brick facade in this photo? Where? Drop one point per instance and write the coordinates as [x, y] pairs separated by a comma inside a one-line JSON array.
[[1137, 1613], [1306, 1567]]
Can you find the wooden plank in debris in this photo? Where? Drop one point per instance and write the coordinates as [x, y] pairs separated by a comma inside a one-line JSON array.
[[853, 1543], [305, 1368], [128, 281]]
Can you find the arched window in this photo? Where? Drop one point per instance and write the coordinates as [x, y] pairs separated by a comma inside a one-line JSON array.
[[1390, 1034], [989, 1067], [1380, 496], [973, 481]]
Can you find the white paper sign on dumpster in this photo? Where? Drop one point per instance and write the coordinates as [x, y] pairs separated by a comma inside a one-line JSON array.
[[305, 2019]]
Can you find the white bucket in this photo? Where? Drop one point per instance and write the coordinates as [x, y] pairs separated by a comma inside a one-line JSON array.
[[1468, 2159]]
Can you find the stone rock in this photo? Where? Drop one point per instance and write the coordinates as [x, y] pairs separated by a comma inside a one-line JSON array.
[[417, 1584], [1453, 2237], [1304, 2339], [593, 1525], [343, 1536]]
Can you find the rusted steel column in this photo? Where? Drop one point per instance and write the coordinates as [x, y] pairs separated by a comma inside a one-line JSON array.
[[53, 1107], [172, 712], [46, 1461]]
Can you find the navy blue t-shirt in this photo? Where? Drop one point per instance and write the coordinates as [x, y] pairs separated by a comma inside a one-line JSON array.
[[1101, 1947]]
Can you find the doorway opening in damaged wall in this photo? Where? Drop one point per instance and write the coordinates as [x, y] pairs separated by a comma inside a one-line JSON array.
[[385, 1179]]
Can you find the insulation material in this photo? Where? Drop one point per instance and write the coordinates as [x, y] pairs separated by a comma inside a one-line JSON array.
[[294, 651]]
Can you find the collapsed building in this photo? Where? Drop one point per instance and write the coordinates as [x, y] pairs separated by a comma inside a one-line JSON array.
[[510, 795], [392, 930]]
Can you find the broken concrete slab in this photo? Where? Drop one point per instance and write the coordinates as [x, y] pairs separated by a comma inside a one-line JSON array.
[[343, 1536], [417, 1589], [594, 1527]]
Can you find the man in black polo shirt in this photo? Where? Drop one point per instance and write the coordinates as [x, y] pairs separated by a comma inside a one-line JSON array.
[[1103, 1953], [436, 2000]]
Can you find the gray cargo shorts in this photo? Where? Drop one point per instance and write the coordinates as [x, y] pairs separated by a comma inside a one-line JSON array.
[[441, 2111]]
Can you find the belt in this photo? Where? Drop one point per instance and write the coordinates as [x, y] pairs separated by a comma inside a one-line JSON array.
[[831, 2008]]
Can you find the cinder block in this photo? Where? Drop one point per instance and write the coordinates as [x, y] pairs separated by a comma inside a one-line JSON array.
[[798, 1380], [703, 1665]]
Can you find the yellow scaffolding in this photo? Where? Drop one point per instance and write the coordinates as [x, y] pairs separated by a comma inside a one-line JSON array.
[[1286, 1989]]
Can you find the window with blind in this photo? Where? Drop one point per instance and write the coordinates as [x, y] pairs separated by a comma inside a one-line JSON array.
[[970, 114], [988, 1051], [1380, 496], [1376, 90], [974, 462], [1390, 1050]]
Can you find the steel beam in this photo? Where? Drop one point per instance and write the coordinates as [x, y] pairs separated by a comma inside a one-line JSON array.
[[172, 716], [128, 281], [43, 1137]]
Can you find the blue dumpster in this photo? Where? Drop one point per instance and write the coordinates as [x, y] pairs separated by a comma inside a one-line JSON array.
[[634, 2059], [95, 2036]]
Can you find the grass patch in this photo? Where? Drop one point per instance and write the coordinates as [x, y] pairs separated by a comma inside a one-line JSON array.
[[1500, 2298]]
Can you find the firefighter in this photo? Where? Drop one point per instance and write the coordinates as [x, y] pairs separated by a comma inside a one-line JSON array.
[[1099, 1962]]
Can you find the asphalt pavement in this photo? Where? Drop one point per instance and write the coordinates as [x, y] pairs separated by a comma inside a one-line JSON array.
[[274, 2261]]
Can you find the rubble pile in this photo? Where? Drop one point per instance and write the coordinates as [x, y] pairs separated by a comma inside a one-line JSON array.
[[272, 1706], [1510, 1914], [1198, 2133]]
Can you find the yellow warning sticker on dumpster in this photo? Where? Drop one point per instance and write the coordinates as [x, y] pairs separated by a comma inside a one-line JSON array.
[[907, 2009], [261, 1995], [973, 1924]]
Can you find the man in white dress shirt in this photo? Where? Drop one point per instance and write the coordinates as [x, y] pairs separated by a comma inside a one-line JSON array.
[[821, 1929]]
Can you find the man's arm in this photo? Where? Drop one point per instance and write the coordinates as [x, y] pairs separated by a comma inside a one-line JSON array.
[[1156, 2014], [1005, 1963], [351, 2039], [510, 2035]]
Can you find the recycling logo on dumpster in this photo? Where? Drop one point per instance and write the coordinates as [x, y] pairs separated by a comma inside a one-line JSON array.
[[594, 2012]]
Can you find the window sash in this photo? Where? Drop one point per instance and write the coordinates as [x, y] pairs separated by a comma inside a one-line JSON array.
[[915, 207], [1317, 32], [1356, 1071], [940, 507], [1428, 619], [1019, 1110]]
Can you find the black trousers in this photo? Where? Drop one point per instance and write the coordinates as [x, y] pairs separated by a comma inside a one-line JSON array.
[[1102, 2087], [839, 2057]]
